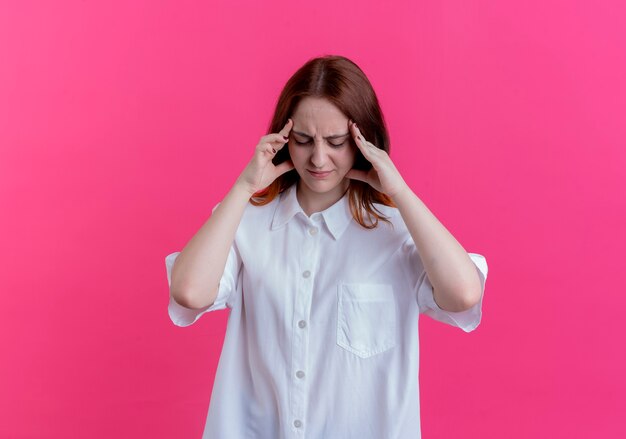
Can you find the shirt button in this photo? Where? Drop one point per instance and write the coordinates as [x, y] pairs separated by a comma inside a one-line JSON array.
[[300, 374], [313, 230], [297, 423], [306, 273], [302, 323]]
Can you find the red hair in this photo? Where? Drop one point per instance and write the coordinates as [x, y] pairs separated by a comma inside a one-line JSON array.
[[344, 84]]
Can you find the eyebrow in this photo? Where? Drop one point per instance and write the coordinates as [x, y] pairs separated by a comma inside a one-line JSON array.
[[335, 136]]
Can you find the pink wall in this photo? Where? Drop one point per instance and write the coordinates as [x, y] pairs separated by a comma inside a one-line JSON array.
[[122, 123]]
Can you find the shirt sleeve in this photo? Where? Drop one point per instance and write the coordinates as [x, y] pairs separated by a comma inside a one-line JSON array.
[[229, 283], [467, 320]]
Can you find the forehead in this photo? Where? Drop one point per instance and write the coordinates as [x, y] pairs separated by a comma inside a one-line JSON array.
[[314, 115]]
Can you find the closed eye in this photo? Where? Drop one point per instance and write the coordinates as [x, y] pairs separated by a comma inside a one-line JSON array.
[[335, 145]]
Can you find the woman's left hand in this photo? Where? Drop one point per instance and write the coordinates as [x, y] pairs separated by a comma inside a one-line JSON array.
[[384, 177]]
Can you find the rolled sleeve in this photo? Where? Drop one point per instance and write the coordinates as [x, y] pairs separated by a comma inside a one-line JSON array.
[[183, 316], [467, 320]]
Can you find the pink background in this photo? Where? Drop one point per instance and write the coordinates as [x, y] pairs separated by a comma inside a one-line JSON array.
[[123, 123]]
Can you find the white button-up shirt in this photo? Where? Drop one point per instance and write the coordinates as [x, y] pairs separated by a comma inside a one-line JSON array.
[[322, 336]]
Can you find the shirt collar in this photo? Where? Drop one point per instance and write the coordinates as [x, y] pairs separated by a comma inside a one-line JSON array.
[[337, 216]]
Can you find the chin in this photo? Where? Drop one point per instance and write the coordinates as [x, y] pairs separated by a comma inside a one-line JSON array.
[[320, 186]]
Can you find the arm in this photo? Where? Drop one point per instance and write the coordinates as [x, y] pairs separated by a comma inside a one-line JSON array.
[[450, 269], [200, 265], [456, 285]]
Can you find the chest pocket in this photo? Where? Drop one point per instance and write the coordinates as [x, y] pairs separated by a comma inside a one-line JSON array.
[[366, 318]]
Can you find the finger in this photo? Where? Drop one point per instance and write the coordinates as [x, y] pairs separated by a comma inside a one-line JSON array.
[[356, 133], [287, 128], [273, 137], [356, 174], [360, 141], [284, 135], [269, 146], [284, 167], [360, 136]]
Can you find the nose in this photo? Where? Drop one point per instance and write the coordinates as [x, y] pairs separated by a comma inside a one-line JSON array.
[[319, 155]]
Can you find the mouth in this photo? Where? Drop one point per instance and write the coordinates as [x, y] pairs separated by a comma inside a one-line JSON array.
[[319, 174]]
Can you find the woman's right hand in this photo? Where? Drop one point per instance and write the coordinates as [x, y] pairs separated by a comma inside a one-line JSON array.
[[260, 171]]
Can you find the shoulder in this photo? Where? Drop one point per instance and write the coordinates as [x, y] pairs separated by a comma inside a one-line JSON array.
[[387, 210], [391, 213], [265, 210], [396, 225], [382, 241], [256, 215]]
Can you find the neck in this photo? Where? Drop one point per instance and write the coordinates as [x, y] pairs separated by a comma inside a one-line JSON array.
[[312, 202]]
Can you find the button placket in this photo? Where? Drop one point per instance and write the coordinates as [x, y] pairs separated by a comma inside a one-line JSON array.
[[308, 263]]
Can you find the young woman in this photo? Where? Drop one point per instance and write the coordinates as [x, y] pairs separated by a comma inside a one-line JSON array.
[[325, 258]]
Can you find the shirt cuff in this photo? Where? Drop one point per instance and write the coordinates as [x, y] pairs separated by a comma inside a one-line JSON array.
[[181, 315], [467, 320]]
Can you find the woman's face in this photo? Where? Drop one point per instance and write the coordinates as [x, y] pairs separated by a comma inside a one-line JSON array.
[[320, 141]]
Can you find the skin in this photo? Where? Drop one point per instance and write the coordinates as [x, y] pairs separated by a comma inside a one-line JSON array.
[[451, 271], [310, 148], [455, 280]]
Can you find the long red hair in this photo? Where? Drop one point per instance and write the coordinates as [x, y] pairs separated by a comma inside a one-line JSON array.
[[343, 83]]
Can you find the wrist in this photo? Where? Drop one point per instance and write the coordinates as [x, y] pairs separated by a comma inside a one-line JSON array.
[[242, 189], [404, 189]]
